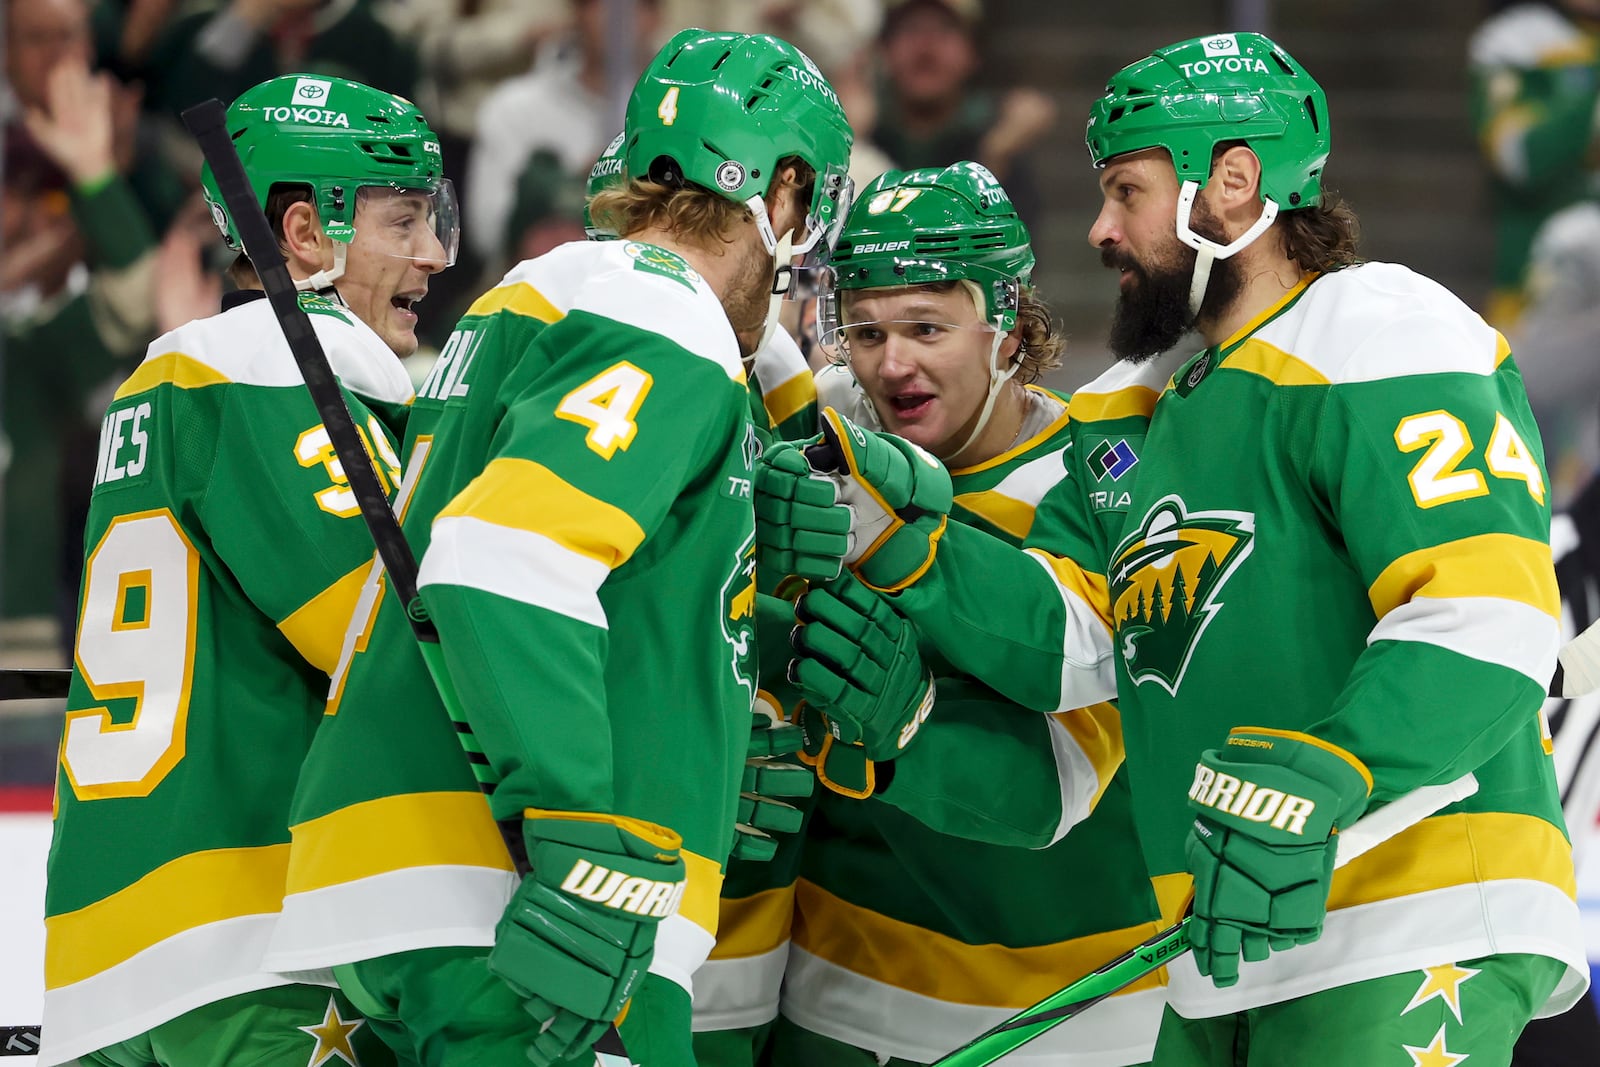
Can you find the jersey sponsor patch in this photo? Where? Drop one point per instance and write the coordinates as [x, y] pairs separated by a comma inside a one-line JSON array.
[[659, 261], [1165, 579]]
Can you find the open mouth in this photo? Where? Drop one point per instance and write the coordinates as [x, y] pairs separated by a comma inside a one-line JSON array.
[[911, 406], [406, 302]]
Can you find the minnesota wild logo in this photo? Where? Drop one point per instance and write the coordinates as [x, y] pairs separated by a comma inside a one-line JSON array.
[[739, 614], [1164, 584], [660, 261]]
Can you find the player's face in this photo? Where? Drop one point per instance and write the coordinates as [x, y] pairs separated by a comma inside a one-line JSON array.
[[1136, 235], [390, 260], [922, 357]]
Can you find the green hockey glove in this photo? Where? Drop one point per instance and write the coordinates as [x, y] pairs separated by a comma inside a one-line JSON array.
[[770, 784], [841, 768], [899, 498], [858, 662], [1271, 804], [801, 529], [578, 935]]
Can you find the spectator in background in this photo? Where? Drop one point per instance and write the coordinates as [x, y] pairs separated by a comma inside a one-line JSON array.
[[547, 210], [222, 47], [929, 114], [76, 338], [561, 106], [1535, 79]]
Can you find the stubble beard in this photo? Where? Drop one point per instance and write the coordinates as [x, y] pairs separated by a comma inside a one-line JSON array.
[[749, 297]]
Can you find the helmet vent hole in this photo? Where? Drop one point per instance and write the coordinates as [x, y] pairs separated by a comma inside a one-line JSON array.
[[1116, 113], [379, 118], [720, 60], [1287, 69], [1311, 112]]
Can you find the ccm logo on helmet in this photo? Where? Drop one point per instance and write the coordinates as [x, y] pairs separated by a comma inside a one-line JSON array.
[[1234, 796], [315, 115]]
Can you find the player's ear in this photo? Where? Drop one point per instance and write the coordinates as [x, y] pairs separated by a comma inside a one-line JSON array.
[[304, 245], [783, 201], [1237, 176]]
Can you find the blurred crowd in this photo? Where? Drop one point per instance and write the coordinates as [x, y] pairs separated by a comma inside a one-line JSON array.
[[107, 242]]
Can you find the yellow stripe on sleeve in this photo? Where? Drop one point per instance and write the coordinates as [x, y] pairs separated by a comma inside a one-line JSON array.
[[785, 401], [1124, 403], [519, 299], [316, 628], [1098, 731], [1089, 587], [524, 495], [171, 368], [1006, 513], [1486, 565]]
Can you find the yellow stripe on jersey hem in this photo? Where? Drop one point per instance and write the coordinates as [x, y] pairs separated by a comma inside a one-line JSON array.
[[785, 401], [180, 895], [1485, 565], [932, 964], [316, 628], [439, 829], [753, 925], [1135, 400], [519, 299], [1256, 356], [171, 368], [524, 495], [1091, 588], [1006, 513], [1098, 731]]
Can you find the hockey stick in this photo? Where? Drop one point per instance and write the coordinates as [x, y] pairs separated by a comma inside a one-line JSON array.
[[1092, 988], [34, 683], [207, 123]]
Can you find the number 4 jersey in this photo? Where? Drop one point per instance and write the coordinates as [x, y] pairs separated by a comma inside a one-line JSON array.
[[224, 554]]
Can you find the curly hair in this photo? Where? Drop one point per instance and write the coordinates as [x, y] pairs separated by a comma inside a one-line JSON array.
[[1042, 342], [693, 214], [1324, 237]]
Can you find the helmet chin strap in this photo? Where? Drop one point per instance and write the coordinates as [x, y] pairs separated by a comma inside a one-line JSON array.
[[782, 252], [1208, 251], [997, 378], [324, 279]]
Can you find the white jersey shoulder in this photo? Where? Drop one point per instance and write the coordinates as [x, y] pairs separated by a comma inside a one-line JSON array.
[[1382, 320], [245, 345], [1127, 375], [1526, 35], [638, 285]]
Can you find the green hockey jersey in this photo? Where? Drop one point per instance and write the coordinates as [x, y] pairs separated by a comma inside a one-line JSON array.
[[957, 896], [578, 470], [1336, 526], [224, 554]]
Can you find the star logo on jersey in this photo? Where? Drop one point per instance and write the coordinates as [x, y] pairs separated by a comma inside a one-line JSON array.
[[333, 1037], [1444, 982], [1436, 1054], [1165, 579]]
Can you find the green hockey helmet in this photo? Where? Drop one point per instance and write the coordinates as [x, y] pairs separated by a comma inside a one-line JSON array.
[[607, 173], [719, 110], [1191, 96], [336, 137], [932, 225]]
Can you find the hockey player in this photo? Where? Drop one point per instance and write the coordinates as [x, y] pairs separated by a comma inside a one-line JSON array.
[[224, 555], [581, 459], [1326, 582], [931, 907]]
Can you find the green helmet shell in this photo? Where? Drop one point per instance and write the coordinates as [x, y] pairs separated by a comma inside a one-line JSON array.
[[719, 110], [608, 172], [935, 225], [331, 134], [1191, 96]]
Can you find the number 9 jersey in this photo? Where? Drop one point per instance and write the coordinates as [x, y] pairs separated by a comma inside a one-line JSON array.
[[224, 552]]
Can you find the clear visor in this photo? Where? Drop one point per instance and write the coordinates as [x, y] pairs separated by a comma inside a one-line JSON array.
[[847, 341], [420, 223], [830, 206]]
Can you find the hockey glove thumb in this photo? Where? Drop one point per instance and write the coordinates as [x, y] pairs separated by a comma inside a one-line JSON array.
[[1270, 806], [899, 498], [841, 768], [579, 933], [801, 528], [857, 661]]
